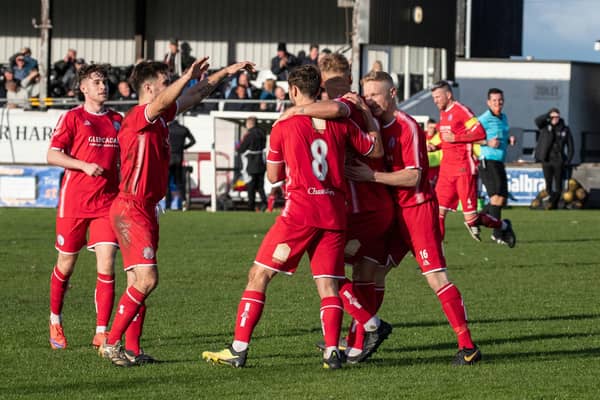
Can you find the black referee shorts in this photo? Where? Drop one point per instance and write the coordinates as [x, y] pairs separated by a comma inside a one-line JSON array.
[[493, 177]]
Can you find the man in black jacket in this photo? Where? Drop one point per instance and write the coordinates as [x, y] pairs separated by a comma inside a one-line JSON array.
[[253, 148], [554, 150], [180, 138]]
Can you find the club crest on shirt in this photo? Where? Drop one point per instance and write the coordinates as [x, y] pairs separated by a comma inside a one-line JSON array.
[[391, 143], [116, 125], [148, 253], [450, 117]]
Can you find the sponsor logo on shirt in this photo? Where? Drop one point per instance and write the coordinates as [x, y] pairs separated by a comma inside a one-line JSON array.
[[319, 192], [103, 141]]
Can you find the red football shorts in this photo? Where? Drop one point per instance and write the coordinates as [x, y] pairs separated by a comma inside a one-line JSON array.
[[417, 229], [71, 233], [285, 243], [450, 189], [366, 236], [136, 227]]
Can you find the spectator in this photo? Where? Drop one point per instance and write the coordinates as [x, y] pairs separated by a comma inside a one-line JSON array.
[[31, 83], [173, 58], [267, 93], [239, 93], [66, 67], [180, 139], [20, 69], [323, 53], [283, 62], [241, 80], [377, 66], [71, 81], [313, 55], [554, 150], [281, 98], [186, 56], [16, 97], [7, 76], [253, 148], [124, 93], [30, 62]]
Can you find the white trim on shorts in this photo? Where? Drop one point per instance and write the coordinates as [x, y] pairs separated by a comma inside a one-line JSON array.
[[273, 269], [329, 276], [139, 265], [434, 270], [92, 247], [67, 252]]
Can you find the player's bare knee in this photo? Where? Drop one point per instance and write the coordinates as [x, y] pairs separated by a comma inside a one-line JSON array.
[[259, 278], [437, 280], [66, 263]]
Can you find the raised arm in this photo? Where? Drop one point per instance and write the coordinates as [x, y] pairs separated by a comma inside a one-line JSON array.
[[204, 88], [168, 96], [328, 109]]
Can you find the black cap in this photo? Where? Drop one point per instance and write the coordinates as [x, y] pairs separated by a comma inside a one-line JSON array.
[[281, 47]]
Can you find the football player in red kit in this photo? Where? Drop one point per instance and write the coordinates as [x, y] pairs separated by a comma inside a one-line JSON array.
[[416, 207], [309, 154], [459, 130], [85, 143], [145, 153]]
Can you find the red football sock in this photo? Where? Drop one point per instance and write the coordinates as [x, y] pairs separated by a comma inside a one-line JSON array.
[[270, 202], [442, 221], [128, 307], [379, 294], [351, 303], [249, 312], [58, 288], [453, 307], [134, 331], [351, 337], [104, 298], [489, 221], [332, 312]]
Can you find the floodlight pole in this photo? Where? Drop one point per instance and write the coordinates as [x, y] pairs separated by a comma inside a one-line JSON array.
[[44, 57]]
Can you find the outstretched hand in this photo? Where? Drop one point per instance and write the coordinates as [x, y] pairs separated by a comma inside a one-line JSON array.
[[234, 68], [198, 67]]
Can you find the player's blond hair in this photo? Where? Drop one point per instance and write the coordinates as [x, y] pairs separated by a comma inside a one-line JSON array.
[[334, 63], [378, 76]]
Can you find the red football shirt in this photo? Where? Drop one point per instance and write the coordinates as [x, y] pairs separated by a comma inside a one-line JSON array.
[[145, 154], [91, 138], [365, 196], [406, 148], [458, 157], [314, 160]]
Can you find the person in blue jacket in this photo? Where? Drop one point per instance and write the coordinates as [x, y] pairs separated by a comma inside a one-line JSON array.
[[493, 155]]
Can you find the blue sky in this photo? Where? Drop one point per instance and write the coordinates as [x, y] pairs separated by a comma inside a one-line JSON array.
[[561, 29]]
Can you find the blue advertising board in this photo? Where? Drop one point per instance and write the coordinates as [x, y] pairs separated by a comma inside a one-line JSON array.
[[524, 183], [29, 186]]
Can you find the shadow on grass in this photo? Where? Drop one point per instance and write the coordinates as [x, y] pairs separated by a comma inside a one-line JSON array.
[[429, 324]]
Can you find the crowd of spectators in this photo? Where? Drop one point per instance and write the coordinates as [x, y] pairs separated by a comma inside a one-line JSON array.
[[20, 79]]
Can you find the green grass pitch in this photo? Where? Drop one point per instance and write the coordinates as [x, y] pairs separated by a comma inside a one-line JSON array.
[[534, 312]]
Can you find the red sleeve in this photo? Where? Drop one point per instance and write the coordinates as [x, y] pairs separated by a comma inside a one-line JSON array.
[[354, 113], [64, 132], [275, 153], [362, 142], [473, 130], [410, 146]]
